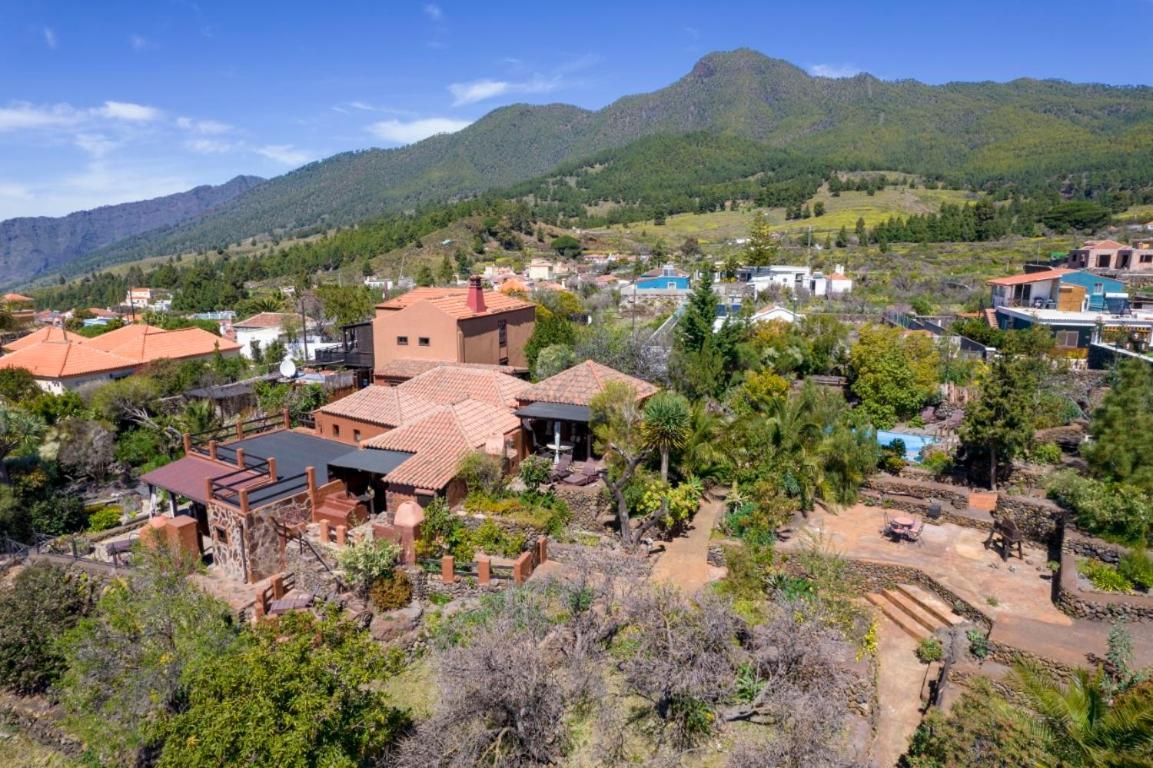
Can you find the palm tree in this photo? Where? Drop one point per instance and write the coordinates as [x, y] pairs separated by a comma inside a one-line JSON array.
[[702, 454], [668, 420], [17, 430], [1081, 726]]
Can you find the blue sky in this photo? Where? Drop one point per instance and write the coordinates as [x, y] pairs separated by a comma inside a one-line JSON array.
[[104, 101]]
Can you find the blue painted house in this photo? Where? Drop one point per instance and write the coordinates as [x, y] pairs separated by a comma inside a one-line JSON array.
[[1101, 293], [666, 281]]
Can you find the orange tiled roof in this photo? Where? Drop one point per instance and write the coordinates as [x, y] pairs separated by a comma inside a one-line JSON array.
[[580, 384], [454, 301], [264, 320], [447, 384], [146, 344], [17, 298], [1031, 277], [386, 406], [61, 359], [407, 368], [439, 440], [48, 333]]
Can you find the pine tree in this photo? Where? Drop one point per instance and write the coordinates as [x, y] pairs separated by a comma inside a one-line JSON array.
[[999, 426], [762, 249]]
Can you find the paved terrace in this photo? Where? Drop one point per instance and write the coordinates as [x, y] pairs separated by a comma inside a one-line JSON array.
[[1024, 616]]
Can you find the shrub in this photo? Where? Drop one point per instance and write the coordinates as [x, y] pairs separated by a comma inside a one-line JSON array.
[[103, 518], [493, 540], [481, 472], [391, 591], [930, 650], [1046, 453], [42, 603], [1137, 567], [978, 643], [365, 561], [1104, 576], [534, 471], [937, 461], [1115, 511]]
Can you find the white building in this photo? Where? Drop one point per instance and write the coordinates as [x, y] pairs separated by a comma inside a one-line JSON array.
[[267, 327]]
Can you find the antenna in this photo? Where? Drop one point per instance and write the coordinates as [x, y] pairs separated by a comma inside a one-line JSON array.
[[288, 368]]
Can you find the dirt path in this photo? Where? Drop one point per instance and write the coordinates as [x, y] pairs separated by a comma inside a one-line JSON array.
[[899, 678], [684, 563]]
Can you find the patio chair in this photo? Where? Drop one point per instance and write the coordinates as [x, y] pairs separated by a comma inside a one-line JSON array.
[[914, 533], [561, 468], [1011, 536]]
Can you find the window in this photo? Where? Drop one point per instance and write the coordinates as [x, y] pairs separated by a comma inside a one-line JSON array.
[[336, 430], [423, 341], [502, 332], [1067, 339], [1147, 258], [1098, 289], [1103, 260], [402, 341], [220, 534], [356, 435]]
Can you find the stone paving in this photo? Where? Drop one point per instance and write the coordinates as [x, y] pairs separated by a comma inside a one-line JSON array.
[[1014, 594]]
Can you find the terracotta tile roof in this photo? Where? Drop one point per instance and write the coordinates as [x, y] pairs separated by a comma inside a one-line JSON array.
[[454, 301], [580, 384], [146, 344], [449, 384], [264, 320], [64, 359], [17, 298], [407, 368], [1031, 277], [386, 406], [49, 333], [98, 312], [439, 441]]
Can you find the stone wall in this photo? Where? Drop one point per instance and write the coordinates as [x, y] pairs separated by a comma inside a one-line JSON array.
[[1040, 520], [1087, 546], [266, 545], [588, 503], [35, 718], [226, 527], [1067, 437], [890, 485], [1097, 606]]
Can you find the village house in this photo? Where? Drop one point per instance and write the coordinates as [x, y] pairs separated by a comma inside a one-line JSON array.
[[20, 308], [452, 325], [1112, 256], [61, 361], [263, 329], [1066, 289], [555, 412], [153, 299]]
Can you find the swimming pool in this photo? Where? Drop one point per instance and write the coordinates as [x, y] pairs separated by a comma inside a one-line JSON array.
[[914, 444]]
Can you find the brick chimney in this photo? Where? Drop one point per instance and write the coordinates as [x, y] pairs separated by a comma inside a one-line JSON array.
[[476, 295]]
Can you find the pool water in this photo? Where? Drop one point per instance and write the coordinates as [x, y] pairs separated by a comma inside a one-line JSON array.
[[914, 444]]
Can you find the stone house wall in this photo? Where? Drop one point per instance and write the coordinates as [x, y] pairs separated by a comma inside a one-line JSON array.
[[248, 547]]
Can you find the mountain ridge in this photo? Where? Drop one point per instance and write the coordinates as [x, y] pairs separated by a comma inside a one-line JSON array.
[[33, 245], [1024, 129]]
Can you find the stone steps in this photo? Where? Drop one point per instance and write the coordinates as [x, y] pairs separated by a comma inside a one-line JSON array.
[[918, 613]]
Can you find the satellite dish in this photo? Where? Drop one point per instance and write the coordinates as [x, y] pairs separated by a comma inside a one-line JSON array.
[[288, 368]]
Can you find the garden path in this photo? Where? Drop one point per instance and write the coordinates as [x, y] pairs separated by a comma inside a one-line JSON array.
[[685, 561]]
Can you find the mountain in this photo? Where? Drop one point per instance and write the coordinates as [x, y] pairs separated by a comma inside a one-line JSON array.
[[32, 246], [1024, 130]]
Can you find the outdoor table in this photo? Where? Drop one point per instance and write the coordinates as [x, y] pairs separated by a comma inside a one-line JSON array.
[[118, 547], [904, 522]]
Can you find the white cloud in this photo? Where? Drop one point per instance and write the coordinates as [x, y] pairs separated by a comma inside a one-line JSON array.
[[433, 11], [95, 144], [50, 38], [126, 110], [834, 70], [22, 116], [285, 154], [407, 132], [206, 127], [483, 90], [140, 43], [17, 191], [209, 146]]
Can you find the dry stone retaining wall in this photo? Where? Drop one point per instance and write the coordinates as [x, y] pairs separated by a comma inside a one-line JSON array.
[[891, 485], [1039, 519]]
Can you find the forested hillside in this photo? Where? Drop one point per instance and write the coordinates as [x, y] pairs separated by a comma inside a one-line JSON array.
[[1085, 140], [31, 246]]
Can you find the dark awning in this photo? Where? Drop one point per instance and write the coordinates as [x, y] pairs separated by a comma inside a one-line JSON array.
[[373, 460], [555, 411], [189, 476]]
